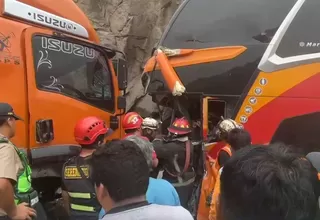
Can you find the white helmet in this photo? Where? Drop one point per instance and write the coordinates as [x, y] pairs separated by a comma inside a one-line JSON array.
[[226, 125], [150, 123]]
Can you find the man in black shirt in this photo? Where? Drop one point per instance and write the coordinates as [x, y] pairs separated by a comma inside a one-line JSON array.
[[78, 190]]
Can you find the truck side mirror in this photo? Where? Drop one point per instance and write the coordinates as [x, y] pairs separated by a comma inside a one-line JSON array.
[[121, 69]]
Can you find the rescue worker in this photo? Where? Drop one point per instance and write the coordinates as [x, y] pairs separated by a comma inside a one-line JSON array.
[[225, 152], [131, 124], [175, 158], [78, 191], [238, 138], [215, 159], [18, 200], [150, 128]]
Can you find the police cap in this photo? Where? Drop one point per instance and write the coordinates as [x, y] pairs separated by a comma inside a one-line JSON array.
[[6, 110]]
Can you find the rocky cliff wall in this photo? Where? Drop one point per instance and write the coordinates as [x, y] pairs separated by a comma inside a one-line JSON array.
[[133, 26]]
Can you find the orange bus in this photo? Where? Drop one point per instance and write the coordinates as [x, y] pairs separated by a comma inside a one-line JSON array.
[[53, 73], [253, 61]]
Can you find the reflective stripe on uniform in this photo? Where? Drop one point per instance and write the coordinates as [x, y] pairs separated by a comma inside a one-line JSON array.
[[77, 195], [24, 183], [82, 208], [23, 188]]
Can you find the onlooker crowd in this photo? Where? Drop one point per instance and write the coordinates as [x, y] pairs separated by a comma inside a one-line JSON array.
[[113, 179], [254, 181]]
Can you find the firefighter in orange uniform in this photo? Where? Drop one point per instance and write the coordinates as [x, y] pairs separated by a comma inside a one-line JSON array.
[[215, 159], [237, 139], [225, 151]]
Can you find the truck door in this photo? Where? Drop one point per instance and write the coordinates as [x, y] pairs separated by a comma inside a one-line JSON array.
[[66, 82]]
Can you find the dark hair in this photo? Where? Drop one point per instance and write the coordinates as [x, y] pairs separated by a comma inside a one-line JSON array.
[[270, 182], [155, 115], [121, 167], [149, 133], [95, 144], [130, 131], [238, 138]]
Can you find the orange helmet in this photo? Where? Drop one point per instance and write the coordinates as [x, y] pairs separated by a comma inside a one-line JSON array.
[[180, 126], [132, 120], [88, 129]]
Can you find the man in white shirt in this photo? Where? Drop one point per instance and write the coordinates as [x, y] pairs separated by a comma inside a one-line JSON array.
[[121, 177]]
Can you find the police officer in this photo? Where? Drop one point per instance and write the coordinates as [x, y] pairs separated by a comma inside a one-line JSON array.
[[175, 158], [19, 201], [78, 191]]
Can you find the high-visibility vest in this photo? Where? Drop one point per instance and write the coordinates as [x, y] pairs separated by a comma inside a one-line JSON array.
[[206, 190], [215, 199], [83, 201], [23, 189], [217, 166], [216, 190], [208, 185]]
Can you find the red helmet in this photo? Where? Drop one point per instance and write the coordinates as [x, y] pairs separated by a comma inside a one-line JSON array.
[[132, 120], [88, 129], [180, 126]]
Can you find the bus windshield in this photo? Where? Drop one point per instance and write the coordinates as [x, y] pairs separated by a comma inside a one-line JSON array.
[[213, 23]]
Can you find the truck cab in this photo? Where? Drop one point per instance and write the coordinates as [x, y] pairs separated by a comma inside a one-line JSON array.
[[53, 73]]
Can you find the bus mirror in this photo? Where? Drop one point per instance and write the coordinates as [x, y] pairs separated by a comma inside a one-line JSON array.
[[121, 69], [122, 102]]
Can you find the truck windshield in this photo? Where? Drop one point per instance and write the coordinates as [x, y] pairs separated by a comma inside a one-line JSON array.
[[212, 23], [73, 70]]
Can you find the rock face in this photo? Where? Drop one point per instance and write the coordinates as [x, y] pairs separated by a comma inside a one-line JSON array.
[[134, 27]]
